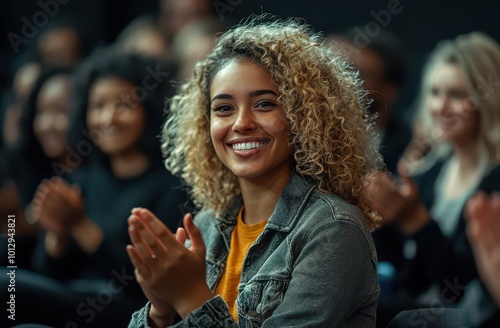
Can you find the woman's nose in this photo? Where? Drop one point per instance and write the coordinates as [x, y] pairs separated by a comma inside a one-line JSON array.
[[108, 114], [245, 120], [440, 105]]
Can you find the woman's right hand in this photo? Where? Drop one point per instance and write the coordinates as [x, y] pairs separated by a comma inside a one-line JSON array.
[[171, 275], [46, 211], [58, 205]]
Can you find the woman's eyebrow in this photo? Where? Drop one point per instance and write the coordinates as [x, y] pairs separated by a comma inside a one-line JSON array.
[[221, 96], [251, 94], [261, 92]]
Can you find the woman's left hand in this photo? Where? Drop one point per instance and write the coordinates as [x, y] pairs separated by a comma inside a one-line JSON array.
[[167, 271], [397, 201]]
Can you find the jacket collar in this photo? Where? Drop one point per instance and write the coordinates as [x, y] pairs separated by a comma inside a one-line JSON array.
[[289, 207]]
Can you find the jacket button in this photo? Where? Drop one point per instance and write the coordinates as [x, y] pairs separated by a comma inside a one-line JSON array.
[[252, 313]]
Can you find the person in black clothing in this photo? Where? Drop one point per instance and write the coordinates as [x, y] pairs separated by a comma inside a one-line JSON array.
[[425, 236], [115, 165], [43, 127]]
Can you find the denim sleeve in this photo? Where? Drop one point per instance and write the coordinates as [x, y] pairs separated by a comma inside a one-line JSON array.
[[214, 313], [334, 281]]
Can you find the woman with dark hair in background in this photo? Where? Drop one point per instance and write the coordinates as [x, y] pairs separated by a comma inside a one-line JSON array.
[[10, 114], [43, 126]]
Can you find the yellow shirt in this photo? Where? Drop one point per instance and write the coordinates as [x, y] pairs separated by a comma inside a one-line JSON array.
[[242, 238]]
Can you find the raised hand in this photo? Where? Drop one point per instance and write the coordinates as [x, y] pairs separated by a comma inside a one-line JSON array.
[[58, 206], [397, 201], [483, 229], [171, 276], [61, 211]]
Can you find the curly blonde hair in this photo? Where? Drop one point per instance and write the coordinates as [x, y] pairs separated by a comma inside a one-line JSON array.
[[330, 131]]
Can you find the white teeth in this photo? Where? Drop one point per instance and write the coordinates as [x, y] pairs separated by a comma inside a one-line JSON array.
[[248, 145]]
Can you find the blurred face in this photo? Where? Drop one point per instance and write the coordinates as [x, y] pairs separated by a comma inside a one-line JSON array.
[[60, 47], [453, 115], [52, 115], [382, 92], [371, 68], [150, 43], [115, 116], [175, 14], [195, 51], [247, 125]]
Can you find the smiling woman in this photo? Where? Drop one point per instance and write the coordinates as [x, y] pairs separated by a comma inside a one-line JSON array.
[[120, 118], [44, 124], [247, 125], [272, 135]]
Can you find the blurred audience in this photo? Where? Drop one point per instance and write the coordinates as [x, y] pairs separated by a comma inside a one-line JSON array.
[[42, 129], [382, 67], [61, 43], [44, 125], [425, 236], [481, 303], [24, 79], [176, 14], [483, 214], [116, 166], [193, 43], [60, 47], [143, 36], [10, 116]]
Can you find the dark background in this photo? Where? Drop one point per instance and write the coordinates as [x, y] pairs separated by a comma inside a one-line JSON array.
[[420, 24]]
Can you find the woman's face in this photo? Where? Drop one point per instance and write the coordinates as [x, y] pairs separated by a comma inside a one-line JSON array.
[[247, 125], [114, 116], [453, 115], [52, 115]]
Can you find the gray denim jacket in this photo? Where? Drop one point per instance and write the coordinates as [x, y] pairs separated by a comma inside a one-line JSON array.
[[314, 265]]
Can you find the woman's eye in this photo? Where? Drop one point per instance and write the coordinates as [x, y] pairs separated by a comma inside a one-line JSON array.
[[458, 94], [96, 105], [123, 105], [264, 104], [222, 109]]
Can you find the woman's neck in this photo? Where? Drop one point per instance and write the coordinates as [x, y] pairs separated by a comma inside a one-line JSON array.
[[260, 197], [129, 164], [468, 157], [465, 170]]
